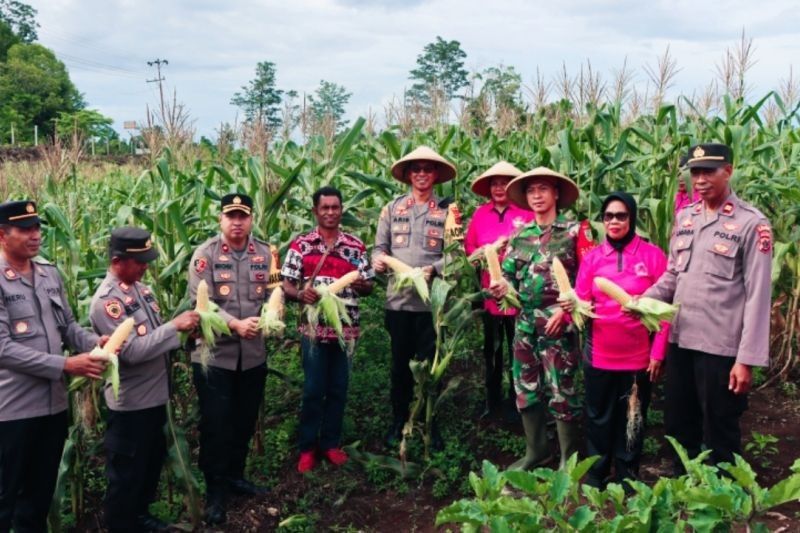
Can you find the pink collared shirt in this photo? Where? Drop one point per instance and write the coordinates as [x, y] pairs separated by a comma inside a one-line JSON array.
[[488, 225], [619, 341]]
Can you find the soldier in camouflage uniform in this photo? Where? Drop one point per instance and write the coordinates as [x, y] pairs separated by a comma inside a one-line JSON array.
[[546, 356]]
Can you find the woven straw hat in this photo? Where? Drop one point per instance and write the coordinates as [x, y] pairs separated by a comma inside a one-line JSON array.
[[567, 189], [447, 170], [481, 184]]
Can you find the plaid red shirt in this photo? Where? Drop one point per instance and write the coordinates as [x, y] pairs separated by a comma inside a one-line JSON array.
[[347, 254]]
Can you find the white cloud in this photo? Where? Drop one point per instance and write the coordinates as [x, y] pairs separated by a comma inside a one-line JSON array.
[[370, 46]]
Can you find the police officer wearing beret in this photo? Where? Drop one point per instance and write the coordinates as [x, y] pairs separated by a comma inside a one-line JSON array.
[[134, 440], [236, 267], [36, 325], [719, 269]]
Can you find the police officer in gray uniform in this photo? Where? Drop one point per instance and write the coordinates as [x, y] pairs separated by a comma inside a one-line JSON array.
[[134, 440], [236, 267], [411, 228], [36, 323], [719, 272]]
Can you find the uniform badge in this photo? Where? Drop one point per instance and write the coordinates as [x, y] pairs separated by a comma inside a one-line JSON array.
[[764, 238], [400, 239], [237, 200], [640, 269], [432, 242], [258, 259], [124, 286], [224, 290], [200, 265], [260, 276], [259, 289], [128, 300], [251, 248], [9, 273], [113, 309], [698, 152], [21, 327], [224, 258], [721, 248], [141, 330], [730, 226], [225, 248], [225, 275], [687, 223], [727, 209]]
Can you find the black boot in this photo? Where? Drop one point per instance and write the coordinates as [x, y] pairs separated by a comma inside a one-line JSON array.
[[239, 485], [216, 494]]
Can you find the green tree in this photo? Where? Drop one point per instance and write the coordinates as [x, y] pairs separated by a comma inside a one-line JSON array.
[[21, 18], [327, 103], [260, 99], [34, 89], [440, 70], [499, 96], [7, 39], [88, 123]]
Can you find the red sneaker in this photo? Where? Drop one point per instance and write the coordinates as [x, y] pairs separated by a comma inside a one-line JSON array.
[[307, 461], [336, 456]]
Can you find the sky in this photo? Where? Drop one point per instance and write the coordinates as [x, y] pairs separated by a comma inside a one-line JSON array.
[[369, 47]]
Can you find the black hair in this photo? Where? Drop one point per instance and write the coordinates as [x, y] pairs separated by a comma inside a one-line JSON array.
[[327, 190]]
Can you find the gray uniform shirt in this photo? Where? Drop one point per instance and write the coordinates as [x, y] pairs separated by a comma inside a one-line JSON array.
[[144, 358], [35, 324], [415, 236], [719, 272], [238, 284]]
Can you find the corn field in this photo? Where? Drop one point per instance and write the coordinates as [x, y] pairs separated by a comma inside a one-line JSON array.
[[177, 198]]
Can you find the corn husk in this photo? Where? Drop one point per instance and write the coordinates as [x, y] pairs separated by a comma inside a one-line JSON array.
[[490, 254], [109, 353], [331, 306], [406, 276], [580, 308], [212, 324], [651, 312], [271, 320]]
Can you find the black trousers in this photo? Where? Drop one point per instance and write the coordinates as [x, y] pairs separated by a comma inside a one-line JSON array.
[[229, 404], [412, 337], [699, 409], [607, 394], [30, 453], [497, 331], [135, 451]]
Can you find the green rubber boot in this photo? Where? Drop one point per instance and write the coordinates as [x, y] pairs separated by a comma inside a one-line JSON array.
[[569, 440], [536, 449]]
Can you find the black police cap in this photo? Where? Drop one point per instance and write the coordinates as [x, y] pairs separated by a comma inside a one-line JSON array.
[[132, 242], [237, 202], [709, 155], [21, 214]]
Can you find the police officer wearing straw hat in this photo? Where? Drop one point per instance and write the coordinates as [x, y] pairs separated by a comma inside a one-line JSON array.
[[36, 324], [411, 228], [719, 269]]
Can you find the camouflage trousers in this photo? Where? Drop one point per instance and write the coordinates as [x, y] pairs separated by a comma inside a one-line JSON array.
[[544, 372]]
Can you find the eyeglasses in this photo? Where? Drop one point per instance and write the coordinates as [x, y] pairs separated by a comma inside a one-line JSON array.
[[423, 168], [608, 216]]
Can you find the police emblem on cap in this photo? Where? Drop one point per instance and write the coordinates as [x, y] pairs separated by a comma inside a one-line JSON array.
[[698, 152], [29, 208], [237, 200]]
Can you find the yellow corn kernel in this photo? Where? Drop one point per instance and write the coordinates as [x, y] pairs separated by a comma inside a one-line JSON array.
[[202, 297], [395, 264], [119, 336], [275, 302], [274, 268], [340, 284], [492, 263], [613, 290], [561, 277]]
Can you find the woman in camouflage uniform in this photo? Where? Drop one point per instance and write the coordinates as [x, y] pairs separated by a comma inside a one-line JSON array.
[[546, 357]]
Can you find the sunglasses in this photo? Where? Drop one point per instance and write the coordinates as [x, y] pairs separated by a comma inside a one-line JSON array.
[[608, 216]]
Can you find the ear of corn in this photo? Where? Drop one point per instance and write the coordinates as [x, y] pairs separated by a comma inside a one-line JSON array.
[[212, 324], [271, 320], [511, 298], [331, 306], [406, 276], [453, 230], [651, 312], [109, 352], [274, 268], [580, 308]]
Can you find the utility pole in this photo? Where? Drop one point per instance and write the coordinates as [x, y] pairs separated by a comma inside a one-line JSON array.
[[158, 79]]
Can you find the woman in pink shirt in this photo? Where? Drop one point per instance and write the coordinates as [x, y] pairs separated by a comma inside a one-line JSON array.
[[619, 351], [492, 220]]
